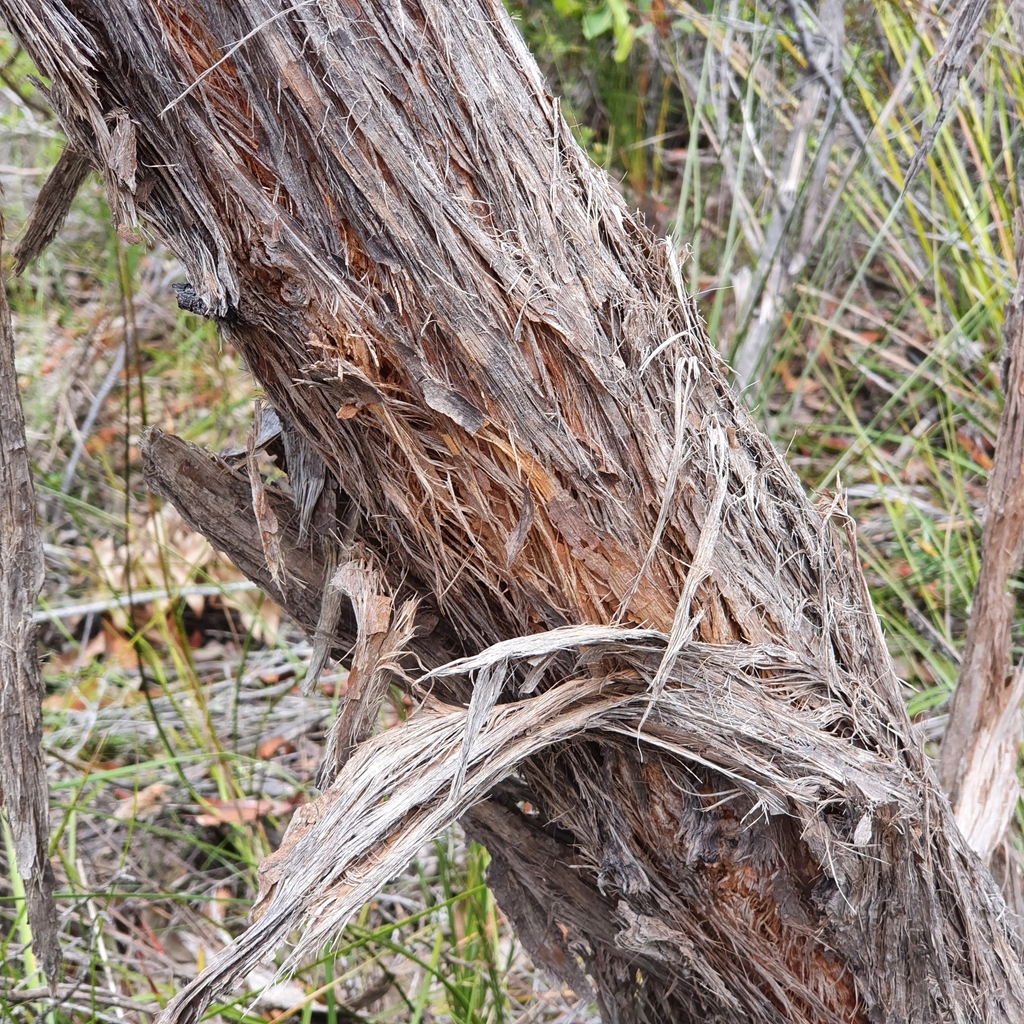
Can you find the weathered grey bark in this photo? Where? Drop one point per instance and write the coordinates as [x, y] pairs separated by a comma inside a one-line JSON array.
[[981, 746], [23, 788], [382, 207]]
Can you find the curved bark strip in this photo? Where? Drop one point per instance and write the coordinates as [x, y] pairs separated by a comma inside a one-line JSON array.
[[341, 849], [382, 207]]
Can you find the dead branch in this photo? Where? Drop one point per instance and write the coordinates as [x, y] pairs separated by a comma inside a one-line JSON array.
[[52, 205], [216, 500]]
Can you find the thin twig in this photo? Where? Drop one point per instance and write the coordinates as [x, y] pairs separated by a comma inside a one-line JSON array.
[[109, 604]]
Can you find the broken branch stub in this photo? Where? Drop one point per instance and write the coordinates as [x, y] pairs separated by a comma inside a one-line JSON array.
[[52, 205], [383, 209]]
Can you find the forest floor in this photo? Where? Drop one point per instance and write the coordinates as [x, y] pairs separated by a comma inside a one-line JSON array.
[[864, 329]]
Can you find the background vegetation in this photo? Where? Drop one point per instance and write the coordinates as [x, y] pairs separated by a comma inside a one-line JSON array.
[[859, 312]]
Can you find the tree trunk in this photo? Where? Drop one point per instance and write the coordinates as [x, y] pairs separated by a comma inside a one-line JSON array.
[[981, 745], [23, 787], [699, 785]]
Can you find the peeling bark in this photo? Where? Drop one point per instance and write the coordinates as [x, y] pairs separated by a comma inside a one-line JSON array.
[[981, 746], [669, 649]]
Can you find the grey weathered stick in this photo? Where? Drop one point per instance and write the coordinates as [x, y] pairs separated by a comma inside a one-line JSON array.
[[772, 273], [57, 613], [983, 737], [948, 65], [23, 789]]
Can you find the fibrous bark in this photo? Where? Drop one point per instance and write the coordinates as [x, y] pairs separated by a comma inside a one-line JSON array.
[[670, 655], [23, 789]]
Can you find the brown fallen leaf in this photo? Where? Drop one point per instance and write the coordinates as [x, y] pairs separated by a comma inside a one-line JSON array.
[[274, 746], [147, 803], [242, 811], [976, 452]]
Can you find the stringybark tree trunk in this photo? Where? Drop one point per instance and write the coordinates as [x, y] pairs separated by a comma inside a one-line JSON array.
[[504, 425], [23, 787]]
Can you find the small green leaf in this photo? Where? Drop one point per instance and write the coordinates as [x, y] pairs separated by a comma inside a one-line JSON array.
[[624, 43], [596, 23], [567, 8], [620, 14]]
